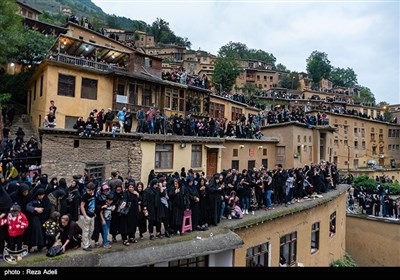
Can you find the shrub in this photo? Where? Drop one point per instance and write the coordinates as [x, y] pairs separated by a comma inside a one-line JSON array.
[[346, 261]]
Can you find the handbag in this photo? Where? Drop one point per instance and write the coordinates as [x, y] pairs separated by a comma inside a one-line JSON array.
[[54, 251], [124, 207]]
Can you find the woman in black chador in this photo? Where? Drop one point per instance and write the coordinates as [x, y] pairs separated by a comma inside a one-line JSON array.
[[153, 208], [216, 187], [128, 221], [179, 202]]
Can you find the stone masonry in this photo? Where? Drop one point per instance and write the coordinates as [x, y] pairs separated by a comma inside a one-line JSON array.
[[68, 154]]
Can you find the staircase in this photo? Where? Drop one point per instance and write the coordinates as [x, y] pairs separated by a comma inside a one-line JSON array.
[[26, 124]]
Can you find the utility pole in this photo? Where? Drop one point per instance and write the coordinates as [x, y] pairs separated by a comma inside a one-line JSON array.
[[348, 159]]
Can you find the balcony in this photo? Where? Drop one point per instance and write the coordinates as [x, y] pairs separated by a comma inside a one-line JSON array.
[[86, 63]]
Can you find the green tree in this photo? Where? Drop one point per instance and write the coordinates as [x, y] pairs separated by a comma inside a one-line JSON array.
[[341, 77], [318, 66], [365, 96], [35, 47], [250, 90], [10, 30], [240, 51], [226, 70], [290, 80], [281, 67]]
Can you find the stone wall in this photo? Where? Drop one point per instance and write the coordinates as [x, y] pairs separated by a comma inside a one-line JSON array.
[[66, 155]]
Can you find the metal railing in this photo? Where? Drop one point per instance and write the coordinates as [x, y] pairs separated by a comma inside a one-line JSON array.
[[82, 62]]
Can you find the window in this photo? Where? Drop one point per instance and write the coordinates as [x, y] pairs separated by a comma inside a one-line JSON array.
[[264, 162], [96, 169], [121, 89], [355, 132], [355, 144], [314, 237], [257, 256], [70, 121], [332, 224], [288, 248], [146, 96], [362, 132], [251, 164], [76, 143], [132, 94], [235, 152], [235, 164], [66, 85], [89, 89], [41, 86], [264, 152], [280, 155], [201, 261], [236, 113], [298, 138], [217, 110], [309, 139], [164, 156], [175, 99], [196, 155], [147, 62], [363, 145]]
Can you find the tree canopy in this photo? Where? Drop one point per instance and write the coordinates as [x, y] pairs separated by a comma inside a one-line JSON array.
[[290, 80], [226, 70], [163, 34], [318, 66], [341, 77], [35, 47], [10, 30], [365, 96], [241, 51]]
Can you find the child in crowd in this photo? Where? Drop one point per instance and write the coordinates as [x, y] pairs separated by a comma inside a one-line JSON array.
[[17, 224], [52, 229], [105, 216]]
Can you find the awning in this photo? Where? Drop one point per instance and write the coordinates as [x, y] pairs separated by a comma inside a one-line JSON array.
[[215, 146]]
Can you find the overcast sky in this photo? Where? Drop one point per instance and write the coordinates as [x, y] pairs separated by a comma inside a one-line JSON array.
[[363, 35]]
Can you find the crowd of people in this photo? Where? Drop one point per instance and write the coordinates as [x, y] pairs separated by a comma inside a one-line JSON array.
[[68, 215], [378, 202], [184, 78]]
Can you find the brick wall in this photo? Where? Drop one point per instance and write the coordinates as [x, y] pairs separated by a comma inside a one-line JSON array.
[[61, 158]]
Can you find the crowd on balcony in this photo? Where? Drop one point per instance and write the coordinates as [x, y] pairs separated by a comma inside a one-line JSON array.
[[19, 156], [60, 215], [377, 202], [184, 78]]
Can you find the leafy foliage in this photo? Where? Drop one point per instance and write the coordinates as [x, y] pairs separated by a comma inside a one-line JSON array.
[[366, 96], [394, 188], [35, 47], [240, 51], [250, 91], [318, 66], [281, 67], [290, 80], [10, 30], [365, 182], [163, 34], [226, 70], [343, 77], [16, 85], [346, 261]]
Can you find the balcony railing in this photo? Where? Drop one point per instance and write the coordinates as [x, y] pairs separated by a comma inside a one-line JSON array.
[[86, 63]]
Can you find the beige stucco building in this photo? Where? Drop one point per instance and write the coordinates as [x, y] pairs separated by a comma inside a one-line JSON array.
[[373, 241], [258, 73], [305, 235]]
